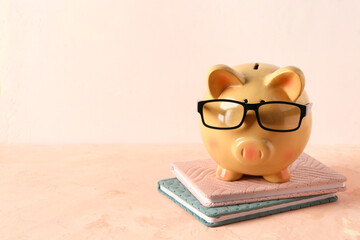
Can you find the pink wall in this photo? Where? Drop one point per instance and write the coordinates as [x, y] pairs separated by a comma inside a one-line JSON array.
[[132, 71]]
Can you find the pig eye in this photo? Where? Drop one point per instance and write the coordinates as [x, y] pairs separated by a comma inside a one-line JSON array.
[[246, 101]]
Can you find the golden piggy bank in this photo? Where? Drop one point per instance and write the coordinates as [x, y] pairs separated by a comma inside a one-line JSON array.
[[255, 120]]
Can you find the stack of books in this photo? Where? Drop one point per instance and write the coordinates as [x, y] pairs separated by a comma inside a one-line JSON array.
[[215, 202]]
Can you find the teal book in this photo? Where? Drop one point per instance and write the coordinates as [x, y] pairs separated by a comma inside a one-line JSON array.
[[217, 216]]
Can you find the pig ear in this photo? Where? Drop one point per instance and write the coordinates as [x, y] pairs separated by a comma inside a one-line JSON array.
[[221, 77], [290, 79]]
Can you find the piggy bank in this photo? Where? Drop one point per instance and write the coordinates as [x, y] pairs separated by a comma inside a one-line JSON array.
[[255, 120]]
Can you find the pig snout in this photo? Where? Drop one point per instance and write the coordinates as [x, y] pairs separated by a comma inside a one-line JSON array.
[[251, 150]]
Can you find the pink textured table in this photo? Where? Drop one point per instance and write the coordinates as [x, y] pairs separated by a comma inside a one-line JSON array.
[[110, 192]]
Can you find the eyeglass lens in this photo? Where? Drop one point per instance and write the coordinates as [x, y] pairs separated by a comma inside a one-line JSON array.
[[223, 114]]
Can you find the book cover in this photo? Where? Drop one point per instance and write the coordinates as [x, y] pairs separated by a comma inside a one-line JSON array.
[[308, 177]]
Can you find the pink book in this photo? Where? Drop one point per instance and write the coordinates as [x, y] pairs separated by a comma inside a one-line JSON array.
[[308, 177]]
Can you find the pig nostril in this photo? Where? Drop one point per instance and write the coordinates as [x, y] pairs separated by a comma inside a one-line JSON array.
[[256, 66], [242, 152]]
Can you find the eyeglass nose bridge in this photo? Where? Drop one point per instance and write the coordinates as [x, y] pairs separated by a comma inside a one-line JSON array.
[[250, 107]]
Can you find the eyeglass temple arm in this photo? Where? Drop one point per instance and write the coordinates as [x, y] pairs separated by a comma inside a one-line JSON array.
[[308, 108], [197, 106]]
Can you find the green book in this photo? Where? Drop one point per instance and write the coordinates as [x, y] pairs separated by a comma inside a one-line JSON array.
[[217, 216]]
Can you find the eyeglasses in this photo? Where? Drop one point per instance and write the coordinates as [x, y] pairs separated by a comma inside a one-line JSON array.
[[277, 116]]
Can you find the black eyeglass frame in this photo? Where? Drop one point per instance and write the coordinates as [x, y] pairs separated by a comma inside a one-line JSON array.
[[304, 111]]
